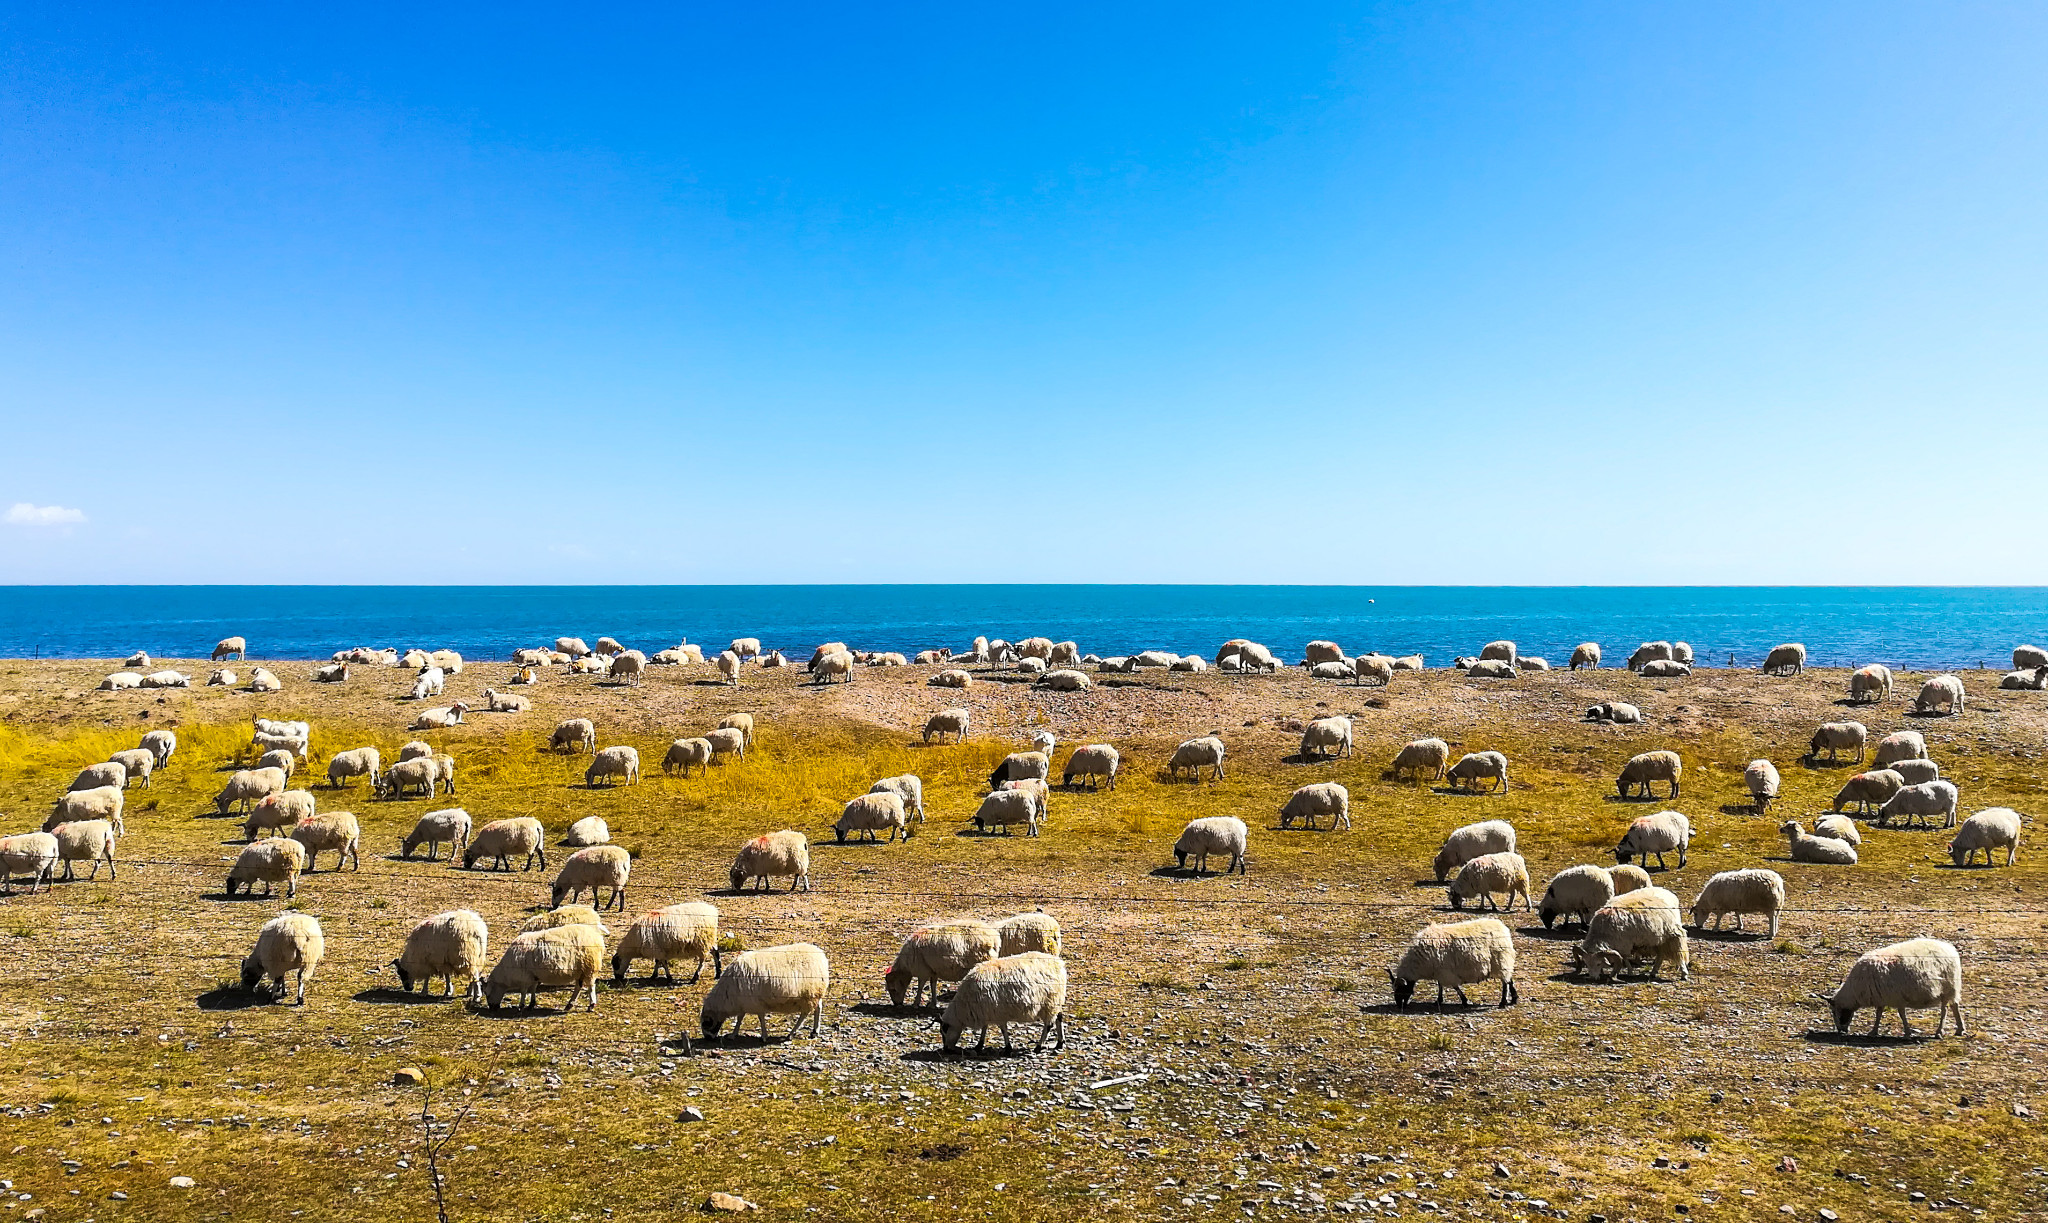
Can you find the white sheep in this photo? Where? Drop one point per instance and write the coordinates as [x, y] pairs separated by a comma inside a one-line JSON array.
[[221, 677], [1034, 931], [248, 785], [1920, 802], [1433, 755], [279, 759], [572, 646], [1322, 651], [160, 743], [1091, 762], [612, 764], [334, 830], [687, 931], [1474, 767], [600, 866], [2026, 681], [417, 749], [1408, 662], [505, 702], [1989, 829], [136, 764], [909, 788], [1187, 663], [1256, 658], [1657, 834], [1913, 772], [270, 861], [727, 741], [1760, 778], [1840, 827], [1871, 683], [1472, 841], [1634, 925], [1917, 973], [120, 681], [1065, 680], [231, 647], [1500, 651], [178, 679], [1942, 690], [590, 830], [1529, 662], [1740, 893], [1897, 746], [1456, 954], [1492, 668], [1004, 807], [540, 961], [439, 717], [563, 915], [1586, 654], [872, 813], [627, 665], [95, 841], [574, 735], [419, 773], [1195, 755], [431, 681], [686, 752], [1649, 767], [346, 766], [1214, 834], [329, 673], [446, 945], [449, 826], [1787, 659], [33, 854], [275, 811], [792, 979], [1820, 851], [941, 952], [1575, 894], [1836, 738], [1030, 987], [836, 665], [100, 803], [1317, 799], [1665, 669], [772, 856], [503, 840], [1490, 875], [1333, 670], [952, 678], [1326, 737], [947, 722], [2029, 656], [100, 776], [287, 943]]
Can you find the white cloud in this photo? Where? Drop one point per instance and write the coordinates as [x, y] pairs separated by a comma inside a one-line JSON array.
[[23, 514]]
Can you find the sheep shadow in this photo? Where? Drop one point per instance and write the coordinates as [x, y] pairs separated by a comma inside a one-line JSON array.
[[1863, 1039], [994, 1051], [1748, 809], [889, 1010], [233, 998], [245, 897], [1811, 761], [1302, 758], [1933, 713], [1563, 932], [990, 831], [482, 1010], [1638, 799], [1431, 883], [1184, 872], [712, 683], [384, 995], [1462, 792], [1729, 935]]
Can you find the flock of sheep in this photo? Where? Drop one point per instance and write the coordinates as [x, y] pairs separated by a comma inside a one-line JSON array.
[[1011, 971]]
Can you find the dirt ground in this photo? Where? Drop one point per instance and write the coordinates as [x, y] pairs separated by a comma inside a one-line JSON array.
[[1232, 1048]]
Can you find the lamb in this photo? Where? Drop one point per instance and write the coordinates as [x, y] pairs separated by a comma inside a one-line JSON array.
[[1787, 659], [945, 951], [94, 841], [346, 766], [1655, 834], [1320, 798], [613, 763], [792, 979], [231, 647], [1490, 875], [686, 752], [1740, 893], [574, 735], [248, 785], [1472, 841], [1840, 827], [1326, 737], [1456, 954], [1869, 790], [1838, 737], [1649, 767], [1645, 922], [1920, 972], [140, 764], [2026, 681], [1196, 754], [503, 840], [566, 957], [1665, 669], [1004, 807], [1334, 670], [1491, 668], [1897, 746], [1575, 894], [420, 773], [177, 679], [289, 942], [1035, 931], [270, 861], [431, 681], [1929, 798], [1322, 651], [1091, 762], [590, 830], [771, 856], [1942, 690], [600, 866], [1761, 779], [1498, 651], [120, 681], [1649, 652], [687, 931], [1587, 655], [274, 811], [953, 678], [871, 813], [336, 830], [1870, 684], [439, 717], [160, 743], [838, 664], [450, 826], [1030, 987], [1474, 766], [1065, 680], [446, 945], [947, 722], [1989, 829], [1821, 851], [727, 741], [908, 788], [220, 677], [100, 803], [1215, 834], [1433, 755], [506, 702], [33, 854]]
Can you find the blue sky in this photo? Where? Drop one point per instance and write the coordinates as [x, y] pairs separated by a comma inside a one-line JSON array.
[[1386, 293]]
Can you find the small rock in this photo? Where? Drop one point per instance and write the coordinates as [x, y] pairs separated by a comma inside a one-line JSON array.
[[1788, 1164], [1662, 1161], [728, 1203], [1829, 1215], [182, 1182], [408, 1076], [2021, 1110], [1501, 1170], [118, 1196], [690, 1114]]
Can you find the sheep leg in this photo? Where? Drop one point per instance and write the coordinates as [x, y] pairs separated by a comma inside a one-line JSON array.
[[1906, 1022], [763, 1017]]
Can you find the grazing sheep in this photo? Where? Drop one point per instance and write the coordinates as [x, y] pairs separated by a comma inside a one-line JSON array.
[[1326, 737], [2026, 681], [160, 743], [33, 854], [562, 915], [1917, 973], [612, 764], [572, 646], [727, 741], [446, 945], [1587, 655], [871, 813], [627, 665], [1575, 894], [1215, 834], [270, 861], [590, 830], [686, 752], [1472, 767], [1322, 651], [1433, 755], [1989, 829], [505, 702], [540, 961], [279, 759], [1838, 737], [1743, 892], [220, 677], [574, 735], [120, 681], [1034, 931], [1821, 851], [1629, 878], [248, 785], [99, 803], [1065, 680], [140, 764], [1650, 767], [1501, 651], [772, 856], [1870, 684], [838, 664], [1064, 654], [1256, 658], [1334, 670], [231, 647], [1492, 668], [1897, 746], [1320, 798], [1942, 690], [503, 840], [1869, 790], [431, 681], [1195, 755], [600, 866], [1004, 807], [1913, 772], [99, 776], [908, 788], [1840, 827], [1456, 954], [954, 678], [1649, 652], [1092, 762], [1918, 803], [792, 979], [947, 722], [1472, 841], [91, 841], [274, 811], [1030, 987], [1490, 875], [287, 943], [440, 717], [1375, 667], [743, 723], [1787, 659], [335, 830], [1634, 925], [417, 749], [945, 951], [687, 931], [450, 826], [1761, 779], [419, 773], [178, 679], [346, 766], [1657, 834]]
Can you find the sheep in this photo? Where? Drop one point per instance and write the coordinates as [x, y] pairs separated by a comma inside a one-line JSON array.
[[99, 803], [1586, 654], [1655, 834], [947, 722], [792, 979], [450, 825], [416, 660], [1408, 662], [1063, 654], [818, 655], [572, 646], [1004, 807], [1092, 762], [415, 749], [1920, 972], [1629, 878], [336, 830], [1492, 668], [100, 776], [1333, 670], [33, 854], [566, 957], [2027, 681], [574, 735], [591, 664], [525, 676], [1188, 663], [908, 788], [141, 765], [431, 681], [1929, 798], [1320, 798], [1231, 664], [2029, 656], [1822, 851], [1456, 954], [600, 866], [248, 785], [1840, 827], [613, 763], [529, 657], [744, 724], [1665, 669], [1044, 741], [220, 677], [160, 743], [837, 664], [1473, 766], [1869, 790], [1788, 659], [1575, 894], [266, 734], [1196, 754], [346, 766], [590, 830], [1629, 927], [505, 702], [727, 741], [176, 679], [1620, 712], [503, 840], [448, 660], [771, 856], [1020, 766], [871, 813], [1215, 834], [1989, 829], [687, 931], [1838, 737], [1034, 931], [1761, 779], [1472, 841], [440, 717], [279, 759], [91, 841], [1433, 755], [420, 773], [1941, 690], [446, 945], [1897, 746], [1489, 875], [274, 811], [954, 678], [231, 647], [1325, 738], [927, 658], [627, 665], [1065, 680], [771, 660], [1740, 893], [331, 673], [1256, 658], [1650, 767], [1030, 987], [1321, 651], [686, 752], [945, 951], [289, 942], [1649, 652], [562, 915], [1503, 651], [1870, 684], [120, 681], [269, 861]]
